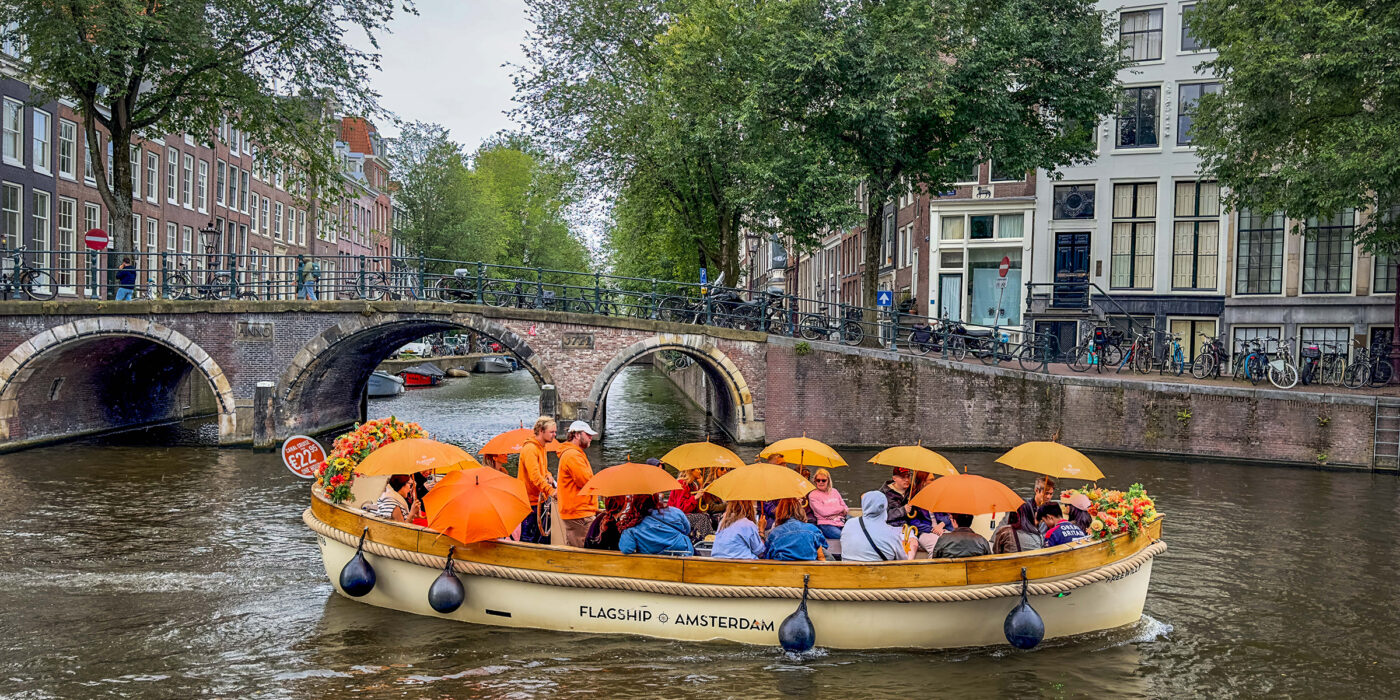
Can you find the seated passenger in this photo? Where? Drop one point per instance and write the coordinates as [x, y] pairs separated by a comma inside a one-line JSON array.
[[661, 529], [606, 529], [1044, 492], [738, 536], [1057, 529], [393, 504], [791, 539], [869, 537], [827, 505], [1013, 537], [899, 513], [962, 541]]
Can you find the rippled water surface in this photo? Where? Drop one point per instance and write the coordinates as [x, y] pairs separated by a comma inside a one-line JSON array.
[[173, 572]]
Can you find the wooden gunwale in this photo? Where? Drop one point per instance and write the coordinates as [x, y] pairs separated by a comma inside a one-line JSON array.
[[1055, 562]]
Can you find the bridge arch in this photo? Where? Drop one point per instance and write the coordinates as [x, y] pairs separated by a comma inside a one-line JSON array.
[[121, 371], [736, 410], [312, 393]]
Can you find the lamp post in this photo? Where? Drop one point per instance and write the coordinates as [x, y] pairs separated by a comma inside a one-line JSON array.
[[210, 236]]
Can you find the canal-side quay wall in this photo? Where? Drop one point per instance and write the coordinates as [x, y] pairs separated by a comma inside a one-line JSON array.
[[858, 396]]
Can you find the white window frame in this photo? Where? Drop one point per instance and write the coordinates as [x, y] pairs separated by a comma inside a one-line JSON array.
[[89, 172], [12, 141], [187, 182], [172, 237], [67, 246], [71, 143], [152, 233], [43, 142], [12, 219], [172, 176], [152, 176], [202, 188], [277, 213], [41, 214], [254, 199], [220, 182], [134, 155]]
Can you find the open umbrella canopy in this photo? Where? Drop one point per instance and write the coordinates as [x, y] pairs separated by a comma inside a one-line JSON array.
[[805, 451], [629, 478], [701, 455], [1051, 459], [415, 455], [759, 482], [476, 505], [510, 442], [915, 457], [967, 493]]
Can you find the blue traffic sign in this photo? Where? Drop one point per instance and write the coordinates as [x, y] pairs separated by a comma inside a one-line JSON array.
[[885, 298], [704, 276]]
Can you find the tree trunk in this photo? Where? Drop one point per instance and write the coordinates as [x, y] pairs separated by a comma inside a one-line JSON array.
[[871, 275], [729, 247]]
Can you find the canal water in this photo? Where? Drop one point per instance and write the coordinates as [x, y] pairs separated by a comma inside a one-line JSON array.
[[131, 571]]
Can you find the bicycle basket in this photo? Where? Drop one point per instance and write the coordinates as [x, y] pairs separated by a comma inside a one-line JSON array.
[[1312, 352]]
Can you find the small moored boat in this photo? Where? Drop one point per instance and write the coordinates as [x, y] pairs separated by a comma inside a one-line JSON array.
[[423, 375], [382, 384], [1081, 587], [494, 364]]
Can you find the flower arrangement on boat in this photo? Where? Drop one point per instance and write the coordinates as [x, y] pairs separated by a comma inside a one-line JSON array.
[[1116, 512], [335, 475]]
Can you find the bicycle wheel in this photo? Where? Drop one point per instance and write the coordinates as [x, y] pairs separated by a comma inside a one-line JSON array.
[[220, 287], [1254, 368], [676, 310], [813, 327], [1283, 374], [374, 287], [1178, 362], [1081, 357], [851, 333], [1356, 375], [1111, 355], [1031, 357], [920, 347], [1142, 360], [37, 285], [453, 289], [1381, 372], [178, 287], [957, 347], [1203, 366]]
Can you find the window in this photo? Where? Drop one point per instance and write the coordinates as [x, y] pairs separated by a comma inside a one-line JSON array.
[[1074, 202], [110, 162], [999, 174], [187, 183], [152, 238], [277, 221], [67, 149], [92, 216], [233, 188], [220, 182], [11, 211], [1327, 254], [1269, 335], [152, 175], [981, 227], [1137, 117], [67, 241], [1011, 226], [1140, 33], [136, 234], [13, 142], [1190, 95], [43, 142], [135, 156], [172, 237], [243, 203], [1188, 41], [1327, 338], [1134, 235], [301, 227], [886, 239], [202, 187], [1383, 274], [1196, 235], [172, 167], [39, 237], [186, 239]]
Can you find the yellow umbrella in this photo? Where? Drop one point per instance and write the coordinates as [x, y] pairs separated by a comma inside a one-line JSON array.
[[1051, 459], [759, 482], [915, 457], [701, 455], [415, 455], [805, 451]]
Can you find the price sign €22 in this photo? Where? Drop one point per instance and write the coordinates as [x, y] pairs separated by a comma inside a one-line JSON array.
[[302, 455]]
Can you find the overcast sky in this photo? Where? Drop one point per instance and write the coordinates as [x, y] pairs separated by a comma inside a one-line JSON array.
[[446, 65]]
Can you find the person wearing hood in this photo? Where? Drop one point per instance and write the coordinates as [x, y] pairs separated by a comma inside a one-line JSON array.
[[662, 529], [576, 510], [869, 537]]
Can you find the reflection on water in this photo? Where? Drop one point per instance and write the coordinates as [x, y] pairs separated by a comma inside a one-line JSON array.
[[173, 572]]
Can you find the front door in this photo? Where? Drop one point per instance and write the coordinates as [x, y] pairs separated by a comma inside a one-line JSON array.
[[950, 301], [1071, 270]]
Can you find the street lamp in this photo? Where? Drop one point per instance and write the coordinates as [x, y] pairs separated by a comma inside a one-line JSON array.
[[210, 236]]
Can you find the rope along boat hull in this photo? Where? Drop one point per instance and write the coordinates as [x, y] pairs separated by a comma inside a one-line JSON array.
[[925, 604]]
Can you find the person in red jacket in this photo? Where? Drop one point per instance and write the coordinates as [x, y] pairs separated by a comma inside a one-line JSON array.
[[539, 484], [575, 509]]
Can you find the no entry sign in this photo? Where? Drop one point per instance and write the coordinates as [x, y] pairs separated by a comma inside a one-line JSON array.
[[302, 455], [96, 239], [1005, 266]]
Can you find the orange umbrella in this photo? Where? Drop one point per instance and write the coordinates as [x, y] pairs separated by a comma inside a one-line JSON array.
[[510, 442], [967, 493], [629, 478], [476, 504], [759, 482], [415, 455]]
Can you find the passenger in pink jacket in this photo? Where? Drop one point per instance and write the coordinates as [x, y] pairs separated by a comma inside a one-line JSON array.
[[826, 503]]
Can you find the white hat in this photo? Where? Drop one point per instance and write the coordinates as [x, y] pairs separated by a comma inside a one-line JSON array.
[[579, 426]]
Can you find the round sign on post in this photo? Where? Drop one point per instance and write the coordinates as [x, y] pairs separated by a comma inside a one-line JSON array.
[[96, 239], [1005, 266], [302, 455]]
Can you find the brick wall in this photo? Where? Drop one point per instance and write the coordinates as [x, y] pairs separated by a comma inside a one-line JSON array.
[[863, 397]]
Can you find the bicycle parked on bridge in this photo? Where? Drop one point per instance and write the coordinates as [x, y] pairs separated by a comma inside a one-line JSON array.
[[825, 326], [16, 275], [219, 286], [1173, 360], [1280, 369], [1250, 362], [1139, 354], [1098, 350]]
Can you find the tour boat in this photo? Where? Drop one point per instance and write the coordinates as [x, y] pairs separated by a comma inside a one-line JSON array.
[[382, 384], [1076, 588], [494, 364], [423, 375]]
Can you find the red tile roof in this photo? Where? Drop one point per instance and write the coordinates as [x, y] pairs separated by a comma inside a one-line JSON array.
[[355, 132]]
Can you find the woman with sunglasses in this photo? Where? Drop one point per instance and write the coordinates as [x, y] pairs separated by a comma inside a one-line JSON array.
[[827, 504]]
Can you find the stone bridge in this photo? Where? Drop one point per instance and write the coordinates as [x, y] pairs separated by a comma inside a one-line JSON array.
[[267, 370]]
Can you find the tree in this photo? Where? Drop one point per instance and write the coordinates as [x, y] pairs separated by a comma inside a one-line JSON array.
[[183, 66], [911, 91], [1307, 121], [433, 188], [521, 199]]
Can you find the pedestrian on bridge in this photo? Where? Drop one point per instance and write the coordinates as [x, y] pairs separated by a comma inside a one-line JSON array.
[[126, 280], [577, 511], [307, 274]]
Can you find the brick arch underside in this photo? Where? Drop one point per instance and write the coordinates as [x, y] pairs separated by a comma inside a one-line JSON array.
[[728, 387], [326, 392], [104, 383]]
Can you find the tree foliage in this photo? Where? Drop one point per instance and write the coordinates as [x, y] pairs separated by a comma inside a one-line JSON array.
[[152, 67], [1308, 118]]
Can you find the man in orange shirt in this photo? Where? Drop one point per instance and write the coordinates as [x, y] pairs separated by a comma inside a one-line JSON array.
[[539, 485], [574, 471]]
